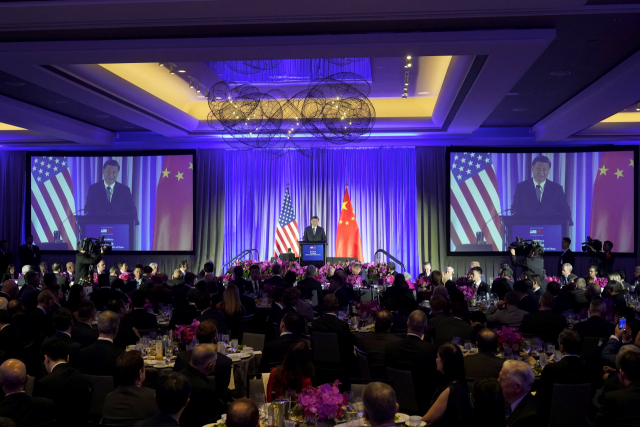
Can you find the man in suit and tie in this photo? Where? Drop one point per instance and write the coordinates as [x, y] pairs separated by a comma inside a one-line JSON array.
[[314, 233], [516, 379], [6, 256], [426, 270], [418, 356], [539, 196], [82, 331], [620, 407], [507, 311], [61, 280], [485, 363], [567, 257], [274, 351], [276, 279], [566, 276], [595, 325], [29, 254], [70, 271], [374, 344], [242, 284], [255, 285], [63, 322], [544, 323], [17, 405], [478, 284], [140, 282], [100, 357], [204, 405], [109, 197]]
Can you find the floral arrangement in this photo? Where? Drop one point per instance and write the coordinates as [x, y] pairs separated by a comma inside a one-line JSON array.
[[266, 270], [127, 277], [269, 289], [355, 280], [147, 305], [509, 338], [465, 285], [324, 402], [368, 308], [185, 333], [602, 281], [550, 279], [423, 282]]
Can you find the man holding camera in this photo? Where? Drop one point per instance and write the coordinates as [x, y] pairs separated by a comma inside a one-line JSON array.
[[605, 258], [533, 262], [84, 261]]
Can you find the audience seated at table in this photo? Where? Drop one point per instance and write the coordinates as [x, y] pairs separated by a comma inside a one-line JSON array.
[[126, 333], [75, 298], [544, 323], [276, 279], [186, 314], [107, 292], [450, 403], [139, 317], [488, 403], [206, 312], [312, 284], [329, 322], [295, 373], [595, 325], [620, 407], [485, 363], [560, 304], [506, 312], [63, 323], [525, 301], [233, 310], [17, 405], [275, 351], [172, 396], [503, 284], [439, 313], [100, 357], [516, 379], [380, 406], [576, 298], [374, 344], [454, 326], [302, 306], [337, 287], [82, 331]]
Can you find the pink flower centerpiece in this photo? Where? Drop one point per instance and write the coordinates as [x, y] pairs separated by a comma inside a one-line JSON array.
[[127, 277], [466, 286], [355, 280], [550, 279], [368, 308], [602, 281], [509, 338], [324, 402], [185, 333]]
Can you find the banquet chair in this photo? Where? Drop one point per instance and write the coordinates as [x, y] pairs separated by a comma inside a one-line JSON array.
[[314, 298], [255, 387], [570, 405], [363, 364], [247, 324], [102, 385], [255, 341], [402, 384], [29, 386], [327, 349]]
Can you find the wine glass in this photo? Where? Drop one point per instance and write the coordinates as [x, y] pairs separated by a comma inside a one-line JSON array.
[[260, 401], [543, 360], [527, 347], [551, 349], [359, 407]]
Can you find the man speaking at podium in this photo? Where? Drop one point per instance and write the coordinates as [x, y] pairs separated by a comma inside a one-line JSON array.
[[313, 233], [109, 197]]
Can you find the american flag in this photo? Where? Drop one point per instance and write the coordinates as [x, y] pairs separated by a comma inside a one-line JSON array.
[[52, 200], [287, 231], [474, 200]]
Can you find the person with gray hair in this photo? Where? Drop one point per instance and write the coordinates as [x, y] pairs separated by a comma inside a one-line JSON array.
[[205, 406], [516, 379], [100, 357], [23, 409], [380, 406], [595, 325]]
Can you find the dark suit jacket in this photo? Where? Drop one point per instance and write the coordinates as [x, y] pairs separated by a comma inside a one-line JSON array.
[[183, 316], [132, 285], [204, 406], [222, 370], [160, 419], [274, 351], [594, 326], [84, 334], [27, 411], [62, 281], [501, 286], [620, 408], [577, 300], [567, 258], [215, 315], [74, 346], [29, 297], [331, 323], [242, 284], [102, 296], [99, 358], [276, 281], [320, 235], [29, 256], [545, 324], [249, 287], [129, 404], [483, 287], [140, 318], [554, 201], [528, 304], [83, 262], [536, 264], [432, 324], [570, 278], [527, 414], [419, 357], [5, 260], [482, 365], [121, 200], [343, 297], [70, 392], [12, 342], [374, 345], [450, 328], [39, 323]]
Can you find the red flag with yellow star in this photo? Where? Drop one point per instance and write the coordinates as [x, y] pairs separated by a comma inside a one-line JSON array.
[[612, 207], [173, 227], [348, 243]]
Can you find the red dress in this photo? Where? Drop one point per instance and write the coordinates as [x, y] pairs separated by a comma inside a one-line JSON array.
[[306, 383]]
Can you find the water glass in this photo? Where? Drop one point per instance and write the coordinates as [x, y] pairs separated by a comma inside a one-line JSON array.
[[234, 345], [468, 345], [359, 407], [415, 420], [543, 360], [550, 348], [527, 346], [455, 340], [259, 400]]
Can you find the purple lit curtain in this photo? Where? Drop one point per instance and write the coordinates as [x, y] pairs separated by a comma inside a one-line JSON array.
[[382, 186]]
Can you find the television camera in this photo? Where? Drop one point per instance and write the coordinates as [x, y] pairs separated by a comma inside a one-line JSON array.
[[93, 246], [525, 247], [591, 245]]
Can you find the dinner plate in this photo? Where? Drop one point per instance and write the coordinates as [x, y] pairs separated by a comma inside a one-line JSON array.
[[422, 424], [402, 418]]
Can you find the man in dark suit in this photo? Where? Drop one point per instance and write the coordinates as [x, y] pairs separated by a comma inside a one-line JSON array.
[[100, 357], [130, 401], [29, 293], [544, 323], [29, 254], [204, 405], [454, 326], [12, 339], [620, 407], [61, 280], [523, 410], [314, 233], [525, 301], [62, 321], [206, 312], [374, 344], [140, 282], [82, 331], [418, 356], [534, 262], [207, 333], [106, 293], [84, 261], [109, 197], [6, 256], [426, 270], [140, 318], [172, 395], [485, 363], [274, 351], [595, 325], [17, 405], [276, 279], [566, 276], [439, 313], [255, 284], [39, 319], [577, 299], [330, 323], [312, 284], [9, 290], [539, 196], [567, 256], [476, 278], [242, 284], [67, 387], [186, 314]]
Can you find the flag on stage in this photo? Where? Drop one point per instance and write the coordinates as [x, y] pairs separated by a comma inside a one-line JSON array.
[[52, 202], [348, 243], [474, 199], [287, 230], [173, 225], [612, 203]]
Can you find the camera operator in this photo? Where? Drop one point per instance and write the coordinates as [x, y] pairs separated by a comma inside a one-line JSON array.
[[85, 260], [605, 257], [533, 262]]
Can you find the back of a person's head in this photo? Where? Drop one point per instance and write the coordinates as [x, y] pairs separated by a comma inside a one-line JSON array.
[[384, 320], [512, 298], [208, 267], [147, 269], [15, 307], [5, 317], [629, 364], [521, 286], [86, 310], [172, 392], [49, 279], [311, 271], [379, 402], [56, 267], [56, 350], [452, 363], [298, 358], [487, 340], [276, 269], [597, 307], [193, 295], [521, 372], [488, 402], [615, 286], [278, 293], [190, 278], [478, 317], [31, 278], [116, 305], [458, 309], [436, 277], [108, 323], [203, 355], [291, 323], [128, 367], [554, 288], [243, 413], [417, 321], [291, 277], [207, 332], [62, 319], [438, 303], [507, 273], [238, 271], [13, 375], [203, 301], [44, 297], [138, 299], [331, 303], [581, 284], [548, 301], [571, 341], [290, 297], [441, 291]]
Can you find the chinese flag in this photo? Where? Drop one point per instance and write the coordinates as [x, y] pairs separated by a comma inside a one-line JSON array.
[[348, 243], [173, 228], [612, 204]]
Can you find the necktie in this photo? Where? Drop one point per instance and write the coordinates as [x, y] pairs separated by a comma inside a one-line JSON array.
[[314, 231], [109, 194], [507, 411], [539, 192]]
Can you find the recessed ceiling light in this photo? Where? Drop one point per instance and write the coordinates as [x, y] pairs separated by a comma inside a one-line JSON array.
[[423, 93], [14, 84], [102, 116], [520, 109], [560, 73], [182, 71], [201, 96], [218, 97]]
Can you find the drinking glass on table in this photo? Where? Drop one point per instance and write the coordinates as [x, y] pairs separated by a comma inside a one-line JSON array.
[[259, 400], [359, 407], [455, 340], [543, 360], [527, 347], [233, 344], [415, 420], [551, 349], [468, 345]]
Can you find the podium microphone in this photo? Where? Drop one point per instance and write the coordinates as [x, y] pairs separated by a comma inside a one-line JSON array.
[[72, 214], [491, 219]]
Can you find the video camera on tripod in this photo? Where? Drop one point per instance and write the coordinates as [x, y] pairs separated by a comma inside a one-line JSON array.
[[525, 247], [590, 244], [93, 246]]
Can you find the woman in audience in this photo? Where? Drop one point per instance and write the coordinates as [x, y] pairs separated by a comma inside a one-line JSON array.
[[233, 310], [10, 273], [488, 403], [295, 373], [450, 405], [436, 278], [76, 296]]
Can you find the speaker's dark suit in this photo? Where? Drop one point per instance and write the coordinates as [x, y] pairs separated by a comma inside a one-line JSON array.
[[222, 370], [129, 404], [27, 411], [419, 357], [84, 334], [527, 414], [99, 358], [121, 200], [29, 256], [274, 351], [544, 323], [70, 392], [554, 201], [320, 235], [620, 408], [482, 365], [566, 258]]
